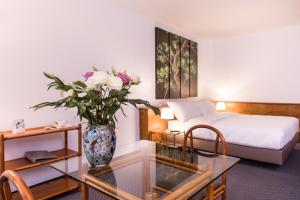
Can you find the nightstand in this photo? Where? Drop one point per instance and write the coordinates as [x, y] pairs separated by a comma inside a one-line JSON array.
[[162, 136]]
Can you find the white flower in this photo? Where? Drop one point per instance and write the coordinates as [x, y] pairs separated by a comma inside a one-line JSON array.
[[70, 92], [136, 79], [98, 79], [115, 83]]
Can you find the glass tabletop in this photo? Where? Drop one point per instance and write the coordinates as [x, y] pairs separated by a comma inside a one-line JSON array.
[[148, 170]]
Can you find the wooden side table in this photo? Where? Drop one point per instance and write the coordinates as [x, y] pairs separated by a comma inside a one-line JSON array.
[[163, 136]]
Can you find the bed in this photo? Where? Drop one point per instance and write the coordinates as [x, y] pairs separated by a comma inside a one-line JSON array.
[[258, 137]]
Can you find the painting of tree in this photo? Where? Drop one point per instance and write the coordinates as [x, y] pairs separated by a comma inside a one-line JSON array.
[[185, 68], [193, 69], [176, 66], [162, 63]]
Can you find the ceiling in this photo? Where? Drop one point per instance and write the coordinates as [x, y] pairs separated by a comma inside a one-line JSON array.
[[218, 18]]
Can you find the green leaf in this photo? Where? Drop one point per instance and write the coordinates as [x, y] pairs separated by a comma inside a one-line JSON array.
[[48, 75], [134, 102], [79, 84], [81, 108]]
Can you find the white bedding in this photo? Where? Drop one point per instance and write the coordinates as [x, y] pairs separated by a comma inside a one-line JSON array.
[[271, 132]]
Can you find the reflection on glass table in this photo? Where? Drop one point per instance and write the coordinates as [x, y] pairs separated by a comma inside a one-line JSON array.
[[148, 170]]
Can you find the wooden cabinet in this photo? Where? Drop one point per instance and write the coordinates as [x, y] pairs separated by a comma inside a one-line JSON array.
[[50, 188]]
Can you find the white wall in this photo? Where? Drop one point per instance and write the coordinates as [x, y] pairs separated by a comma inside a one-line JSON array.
[[67, 37], [261, 67]]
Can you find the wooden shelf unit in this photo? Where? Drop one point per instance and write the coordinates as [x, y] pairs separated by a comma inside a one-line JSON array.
[[23, 163], [50, 188]]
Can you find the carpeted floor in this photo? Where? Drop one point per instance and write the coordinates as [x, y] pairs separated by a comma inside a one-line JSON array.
[[249, 180]]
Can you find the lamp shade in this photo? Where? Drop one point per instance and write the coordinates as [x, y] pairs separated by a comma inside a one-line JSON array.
[[167, 113], [221, 106]]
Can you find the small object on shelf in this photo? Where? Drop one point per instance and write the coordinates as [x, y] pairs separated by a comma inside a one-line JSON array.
[[58, 124], [18, 126], [38, 156]]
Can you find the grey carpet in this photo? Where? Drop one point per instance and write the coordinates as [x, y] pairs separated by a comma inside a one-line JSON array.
[[249, 180]]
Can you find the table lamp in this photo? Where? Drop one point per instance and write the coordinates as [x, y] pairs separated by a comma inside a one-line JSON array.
[[220, 106], [167, 114]]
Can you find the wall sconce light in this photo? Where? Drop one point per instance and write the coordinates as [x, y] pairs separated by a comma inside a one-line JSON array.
[[220, 106]]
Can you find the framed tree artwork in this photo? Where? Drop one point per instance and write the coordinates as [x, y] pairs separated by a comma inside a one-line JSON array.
[[185, 68], [162, 63], [193, 69], [174, 43], [176, 66]]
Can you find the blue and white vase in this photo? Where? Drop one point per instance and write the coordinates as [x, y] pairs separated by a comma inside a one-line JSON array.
[[99, 143]]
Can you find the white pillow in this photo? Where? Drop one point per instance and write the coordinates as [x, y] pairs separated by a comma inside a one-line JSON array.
[[207, 107], [185, 110]]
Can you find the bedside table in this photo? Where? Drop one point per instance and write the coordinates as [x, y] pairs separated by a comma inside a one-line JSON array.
[[163, 136]]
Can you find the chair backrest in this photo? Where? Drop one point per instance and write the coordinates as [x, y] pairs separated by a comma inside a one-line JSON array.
[[219, 136], [220, 190], [15, 179]]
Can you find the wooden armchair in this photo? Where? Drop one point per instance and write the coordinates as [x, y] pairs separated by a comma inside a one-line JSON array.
[[15, 179], [220, 190]]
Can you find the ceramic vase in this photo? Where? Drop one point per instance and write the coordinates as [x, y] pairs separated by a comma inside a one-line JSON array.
[[99, 143]]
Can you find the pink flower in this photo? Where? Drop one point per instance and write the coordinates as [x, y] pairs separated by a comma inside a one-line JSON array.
[[87, 75], [124, 77]]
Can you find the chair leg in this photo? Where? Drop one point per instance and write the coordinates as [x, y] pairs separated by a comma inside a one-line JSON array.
[[84, 191], [191, 142], [224, 195], [6, 191]]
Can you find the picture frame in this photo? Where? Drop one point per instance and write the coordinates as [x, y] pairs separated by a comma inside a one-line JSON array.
[[176, 66], [18, 126]]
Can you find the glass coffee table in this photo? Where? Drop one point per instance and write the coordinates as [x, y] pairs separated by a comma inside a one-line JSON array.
[[149, 170]]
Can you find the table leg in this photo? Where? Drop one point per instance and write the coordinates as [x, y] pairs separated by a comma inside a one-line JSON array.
[[174, 141], [66, 142], [84, 191], [210, 191]]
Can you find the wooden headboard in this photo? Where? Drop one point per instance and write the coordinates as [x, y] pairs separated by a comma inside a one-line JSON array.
[[281, 109], [149, 121]]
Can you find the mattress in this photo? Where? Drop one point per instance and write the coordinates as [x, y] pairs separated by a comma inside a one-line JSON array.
[[261, 131]]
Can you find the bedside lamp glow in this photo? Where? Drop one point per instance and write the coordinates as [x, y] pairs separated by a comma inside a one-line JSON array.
[[167, 113], [221, 106]]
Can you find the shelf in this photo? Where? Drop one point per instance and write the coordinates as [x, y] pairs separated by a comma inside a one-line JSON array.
[[51, 188], [23, 163], [8, 135]]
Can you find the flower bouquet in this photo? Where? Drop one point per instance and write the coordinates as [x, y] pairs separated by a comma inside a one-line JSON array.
[[97, 99]]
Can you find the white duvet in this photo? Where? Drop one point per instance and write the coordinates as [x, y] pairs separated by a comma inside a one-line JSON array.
[[271, 132]]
